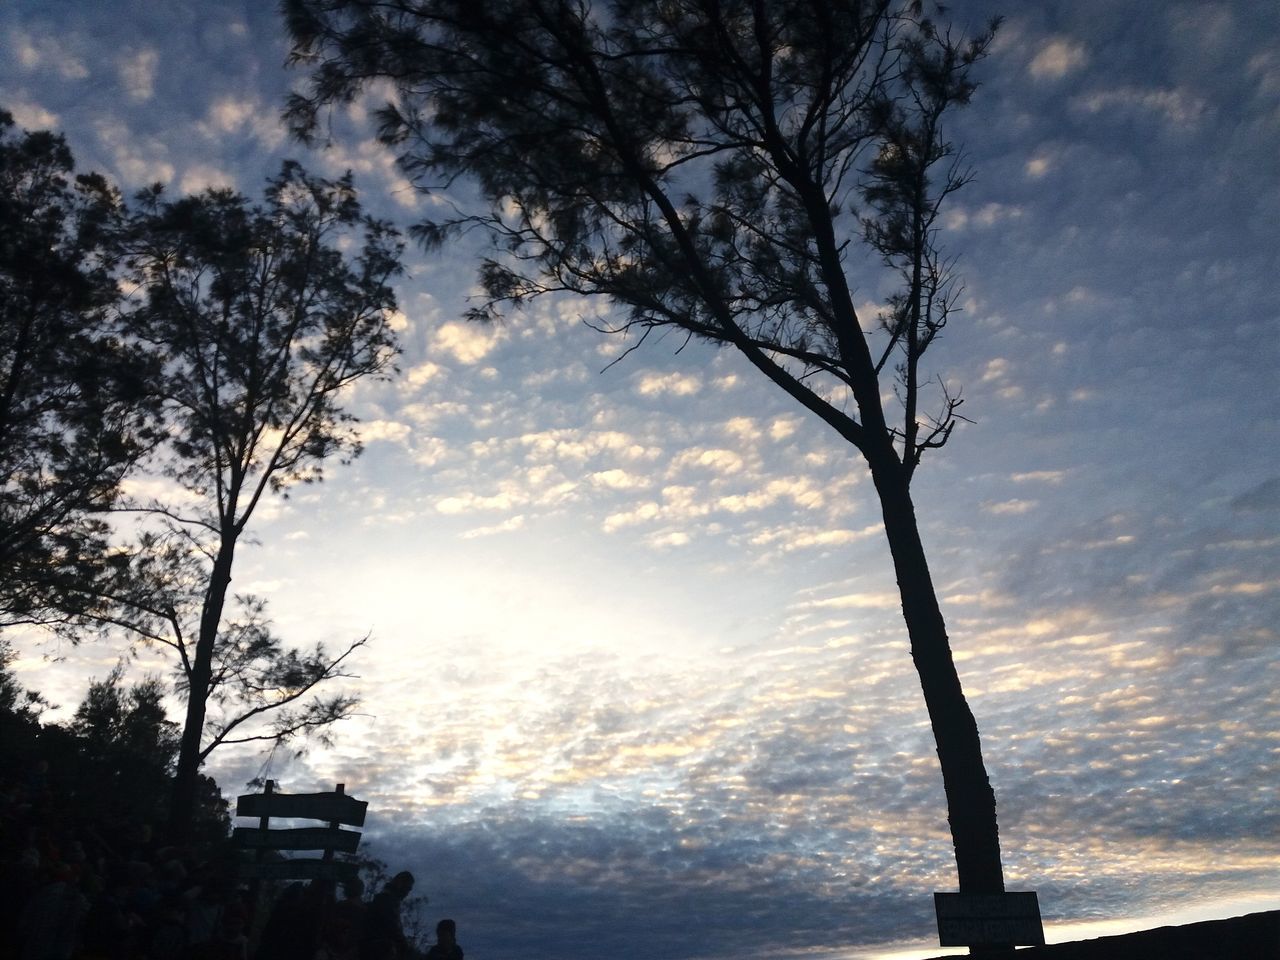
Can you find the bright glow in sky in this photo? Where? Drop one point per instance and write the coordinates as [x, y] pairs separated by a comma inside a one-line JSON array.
[[638, 683]]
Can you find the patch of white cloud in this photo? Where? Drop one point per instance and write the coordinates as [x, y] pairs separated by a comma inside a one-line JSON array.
[[986, 598], [816, 458], [203, 176], [141, 161], [137, 72], [782, 428], [232, 115], [1039, 165], [984, 217], [467, 343], [996, 369], [1264, 69], [716, 460], [582, 445], [886, 600], [1057, 58], [427, 414], [470, 502], [1014, 507], [572, 373], [148, 489], [46, 52], [430, 451], [421, 374], [31, 116], [1040, 476], [789, 538], [617, 479], [385, 430], [1177, 107], [683, 502], [641, 513], [371, 158], [742, 428], [552, 315], [672, 384], [801, 491], [610, 347], [506, 526]]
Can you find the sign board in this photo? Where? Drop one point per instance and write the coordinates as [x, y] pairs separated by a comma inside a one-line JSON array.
[[305, 838], [299, 869], [997, 919], [333, 807]]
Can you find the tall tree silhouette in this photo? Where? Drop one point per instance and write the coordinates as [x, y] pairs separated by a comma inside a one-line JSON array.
[[73, 404], [261, 319], [710, 165]]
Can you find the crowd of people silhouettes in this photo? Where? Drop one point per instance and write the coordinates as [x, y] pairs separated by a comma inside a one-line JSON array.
[[309, 922], [78, 888]]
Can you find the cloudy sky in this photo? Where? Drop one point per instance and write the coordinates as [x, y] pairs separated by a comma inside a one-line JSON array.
[[638, 683]]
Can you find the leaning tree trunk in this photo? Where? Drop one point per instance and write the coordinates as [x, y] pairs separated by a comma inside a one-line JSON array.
[[186, 777], [971, 803]]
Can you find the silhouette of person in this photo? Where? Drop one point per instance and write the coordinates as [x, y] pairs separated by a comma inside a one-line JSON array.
[[340, 931], [381, 936], [446, 945], [293, 929]]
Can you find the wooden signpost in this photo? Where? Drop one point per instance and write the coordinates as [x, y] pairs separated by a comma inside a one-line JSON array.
[[337, 808], [307, 838], [989, 920]]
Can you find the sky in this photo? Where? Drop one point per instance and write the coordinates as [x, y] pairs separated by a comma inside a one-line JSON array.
[[638, 683]]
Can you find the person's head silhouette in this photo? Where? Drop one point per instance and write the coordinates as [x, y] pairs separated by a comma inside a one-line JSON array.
[[447, 932], [401, 884]]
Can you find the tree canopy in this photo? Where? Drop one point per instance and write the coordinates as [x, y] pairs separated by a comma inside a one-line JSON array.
[[74, 400], [707, 166], [261, 319], [205, 342], [744, 172]]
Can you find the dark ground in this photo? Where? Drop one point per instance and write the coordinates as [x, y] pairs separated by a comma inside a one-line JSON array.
[[1255, 936]]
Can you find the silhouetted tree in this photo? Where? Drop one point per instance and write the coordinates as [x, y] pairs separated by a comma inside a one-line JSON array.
[[129, 741], [16, 702], [110, 766], [262, 318], [73, 409], [710, 165]]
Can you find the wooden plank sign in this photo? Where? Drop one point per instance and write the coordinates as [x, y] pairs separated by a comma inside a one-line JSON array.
[[981, 920], [337, 808], [334, 807], [303, 838], [297, 869]]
